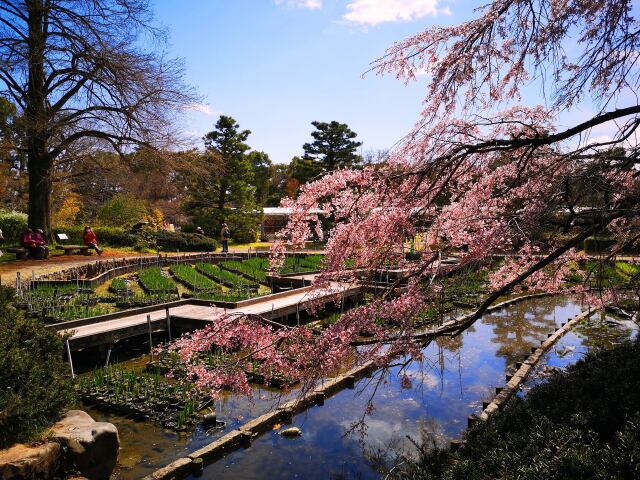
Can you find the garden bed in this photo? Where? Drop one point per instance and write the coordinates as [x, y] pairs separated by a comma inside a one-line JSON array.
[[177, 406]]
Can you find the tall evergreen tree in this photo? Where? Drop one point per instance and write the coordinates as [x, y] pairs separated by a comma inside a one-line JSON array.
[[333, 146], [220, 188], [260, 164]]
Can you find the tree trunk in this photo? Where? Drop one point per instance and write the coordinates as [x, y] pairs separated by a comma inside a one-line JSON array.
[[40, 189], [40, 162]]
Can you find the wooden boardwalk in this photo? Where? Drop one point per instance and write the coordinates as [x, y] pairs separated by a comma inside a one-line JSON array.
[[192, 314]]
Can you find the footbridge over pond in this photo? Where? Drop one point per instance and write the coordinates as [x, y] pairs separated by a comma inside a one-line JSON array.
[[194, 313]]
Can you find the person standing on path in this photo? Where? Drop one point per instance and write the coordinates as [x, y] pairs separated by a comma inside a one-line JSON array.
[[225, 235]]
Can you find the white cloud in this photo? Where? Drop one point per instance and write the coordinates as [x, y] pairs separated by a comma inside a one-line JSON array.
[[202, 108], [373, 12], [310, 4]]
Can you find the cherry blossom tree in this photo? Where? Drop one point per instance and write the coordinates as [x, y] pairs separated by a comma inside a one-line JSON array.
[[485, 172]]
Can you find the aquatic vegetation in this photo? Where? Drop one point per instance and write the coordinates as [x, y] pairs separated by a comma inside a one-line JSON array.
[[309, 263], [143, 395], [193, 279], [224, 276], [256, 268], [119, 286], [153, 281]]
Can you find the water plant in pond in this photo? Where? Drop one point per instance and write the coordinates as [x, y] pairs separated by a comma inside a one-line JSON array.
[[154, 281], [119, 286], [232, 295], [193, 279], [142, 395], [256, 268], [224, 276], [309, 263]]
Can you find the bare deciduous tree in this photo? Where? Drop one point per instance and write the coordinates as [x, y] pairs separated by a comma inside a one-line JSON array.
[[81, 70]]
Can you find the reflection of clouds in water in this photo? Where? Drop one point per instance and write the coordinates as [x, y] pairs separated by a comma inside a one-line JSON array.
[[422, 378]]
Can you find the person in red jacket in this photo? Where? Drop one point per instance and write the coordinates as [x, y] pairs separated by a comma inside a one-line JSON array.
[[41, 242], [90, 240], [28, 241]]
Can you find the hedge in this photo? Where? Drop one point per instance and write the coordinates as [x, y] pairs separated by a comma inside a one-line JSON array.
[[12, 225], [169, 241], [34, 385]]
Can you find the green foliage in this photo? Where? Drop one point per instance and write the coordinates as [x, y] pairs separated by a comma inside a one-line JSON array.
[[304, 169], [193, 279], [142, 394], [184, 242], [118, 286], [581, 424], [260, 175], [152, 280], [598, 244], [113, 236], [167, 241], [333, 146], [256, 268], [12, 225], [121, 211], [309, 263], [33, 387], [603, 274], [222, 187], [243, 226], [224, 276]]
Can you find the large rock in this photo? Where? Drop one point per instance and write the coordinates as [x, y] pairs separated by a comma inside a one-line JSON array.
[[25, 462], [92, 447]]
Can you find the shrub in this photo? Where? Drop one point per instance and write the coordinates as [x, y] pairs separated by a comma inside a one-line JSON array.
[[598, 244], [244, 228], [122, 211], [146, 239], [113, 236], [12, 225], [184, 242], [33, 388]]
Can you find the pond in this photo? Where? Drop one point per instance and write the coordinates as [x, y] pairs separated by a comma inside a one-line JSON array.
[[339, 441]]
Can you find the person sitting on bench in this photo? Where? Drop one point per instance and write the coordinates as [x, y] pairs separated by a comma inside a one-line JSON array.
[[28, 242], [90, 240], [41, 242]]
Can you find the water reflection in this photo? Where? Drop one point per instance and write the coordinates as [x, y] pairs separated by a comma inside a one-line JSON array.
[[456, 376]]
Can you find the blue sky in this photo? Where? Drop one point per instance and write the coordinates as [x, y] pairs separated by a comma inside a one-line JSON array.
[[277, 65]]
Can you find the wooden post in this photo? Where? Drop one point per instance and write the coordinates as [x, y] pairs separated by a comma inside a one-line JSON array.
[[106, 364], [150, 337], [73, 375], [168, 322]]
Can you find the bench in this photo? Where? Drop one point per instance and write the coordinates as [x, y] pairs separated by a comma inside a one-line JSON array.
[[21, 253], [69, 249]]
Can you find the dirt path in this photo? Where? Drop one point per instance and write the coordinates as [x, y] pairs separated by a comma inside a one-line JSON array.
[[56, 262]]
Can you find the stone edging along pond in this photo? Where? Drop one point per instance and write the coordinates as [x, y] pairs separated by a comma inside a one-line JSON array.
[[504, 394], [242, 436]]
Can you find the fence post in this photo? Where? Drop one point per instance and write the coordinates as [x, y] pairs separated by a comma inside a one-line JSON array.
[[106, 364], [150, 337], [73, 375], [168, 323]]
